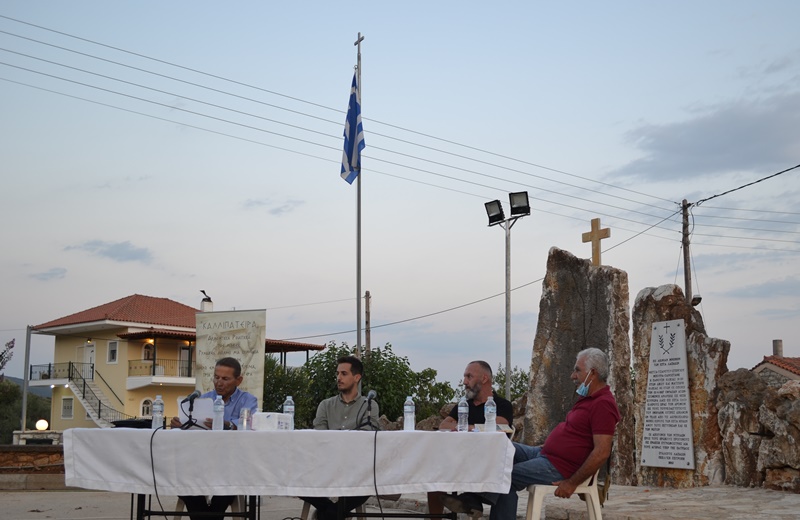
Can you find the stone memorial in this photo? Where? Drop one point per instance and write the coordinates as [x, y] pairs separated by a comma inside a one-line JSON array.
[[581, 306], [706, 361], [667, 439]]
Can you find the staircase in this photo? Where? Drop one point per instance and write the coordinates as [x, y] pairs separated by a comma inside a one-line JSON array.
[[94, 401], [90, 404]]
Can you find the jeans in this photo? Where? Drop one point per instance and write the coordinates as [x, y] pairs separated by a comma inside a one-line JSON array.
[[530, 467]]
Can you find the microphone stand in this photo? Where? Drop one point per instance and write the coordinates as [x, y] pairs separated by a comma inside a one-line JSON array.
[[189, 420], [367, 421]]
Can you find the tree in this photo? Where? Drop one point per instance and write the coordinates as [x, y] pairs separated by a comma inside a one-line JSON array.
[[385, 372], [5, 356], [520, 382], [11, 409], [279, 382]]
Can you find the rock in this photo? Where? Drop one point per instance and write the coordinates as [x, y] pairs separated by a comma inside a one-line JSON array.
[[581, 306], [741, 393], [779, 453], [706, 360], [430, 424]]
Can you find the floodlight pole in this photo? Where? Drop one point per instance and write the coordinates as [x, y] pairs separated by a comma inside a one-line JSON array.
[[520, 207], [507, 225]]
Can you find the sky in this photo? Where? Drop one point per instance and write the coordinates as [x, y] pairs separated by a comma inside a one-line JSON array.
[[161, 148]]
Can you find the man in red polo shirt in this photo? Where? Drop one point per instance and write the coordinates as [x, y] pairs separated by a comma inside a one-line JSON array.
[[573, 451]]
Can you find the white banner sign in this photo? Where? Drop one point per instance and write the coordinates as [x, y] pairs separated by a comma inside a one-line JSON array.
[[667, 441], [237, 334]]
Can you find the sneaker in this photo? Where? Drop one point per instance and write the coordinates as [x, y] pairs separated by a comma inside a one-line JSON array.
[[466, 503]]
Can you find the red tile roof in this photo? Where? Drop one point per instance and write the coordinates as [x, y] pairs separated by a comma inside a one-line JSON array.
[[272, 345], [136, 308], [152, 312], [281, 345], [792, 364]]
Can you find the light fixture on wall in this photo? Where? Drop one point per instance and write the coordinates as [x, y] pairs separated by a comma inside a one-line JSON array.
[[88, 341]]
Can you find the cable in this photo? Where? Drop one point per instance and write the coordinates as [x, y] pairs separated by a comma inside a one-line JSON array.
[[429, 161], [746, 185], [637, 234], [324, 107]]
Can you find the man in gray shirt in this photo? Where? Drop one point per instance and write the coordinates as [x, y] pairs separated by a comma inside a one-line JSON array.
[[346, 411]]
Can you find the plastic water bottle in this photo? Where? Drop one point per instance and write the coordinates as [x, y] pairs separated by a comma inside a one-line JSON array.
[[409, 417], [219, 414], [463, 415], [158, 413], [490, 415], [288, 408]]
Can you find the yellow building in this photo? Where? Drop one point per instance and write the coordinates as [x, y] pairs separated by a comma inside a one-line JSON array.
[[111, 361]]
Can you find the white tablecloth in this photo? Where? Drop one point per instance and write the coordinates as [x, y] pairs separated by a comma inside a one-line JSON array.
[[286, 463]]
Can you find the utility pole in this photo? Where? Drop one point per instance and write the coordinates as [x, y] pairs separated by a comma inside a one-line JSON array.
[[687, 264], [26, 378], [366, 322]]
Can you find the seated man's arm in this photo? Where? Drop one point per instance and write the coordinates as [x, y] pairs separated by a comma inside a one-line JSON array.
[[321, 420], [596, 458]]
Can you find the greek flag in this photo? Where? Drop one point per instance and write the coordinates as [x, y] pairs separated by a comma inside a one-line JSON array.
[[353, 136]]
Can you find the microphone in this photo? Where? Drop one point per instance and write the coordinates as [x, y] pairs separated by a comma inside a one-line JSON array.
[[372, 394], [191, 397]]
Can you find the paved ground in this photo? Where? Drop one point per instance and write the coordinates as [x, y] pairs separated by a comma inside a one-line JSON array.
[[625, 503]]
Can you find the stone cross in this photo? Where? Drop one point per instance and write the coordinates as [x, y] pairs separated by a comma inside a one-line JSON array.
[[595, 236]]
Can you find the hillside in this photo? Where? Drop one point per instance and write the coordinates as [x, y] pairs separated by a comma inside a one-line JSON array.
[[41, 391]]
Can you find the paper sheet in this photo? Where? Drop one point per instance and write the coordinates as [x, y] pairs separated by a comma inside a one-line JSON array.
[[203, 409]]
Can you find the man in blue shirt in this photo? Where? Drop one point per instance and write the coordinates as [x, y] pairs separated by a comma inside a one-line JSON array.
[[227, 378]]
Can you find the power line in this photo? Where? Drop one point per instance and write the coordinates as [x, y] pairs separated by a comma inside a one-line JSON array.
[[746, 185], [320, 106]]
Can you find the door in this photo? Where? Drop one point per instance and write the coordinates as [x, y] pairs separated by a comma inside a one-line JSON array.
[[185, 362], [88, 360]]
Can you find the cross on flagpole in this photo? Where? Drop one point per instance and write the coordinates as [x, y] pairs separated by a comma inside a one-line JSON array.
[[595, 236]]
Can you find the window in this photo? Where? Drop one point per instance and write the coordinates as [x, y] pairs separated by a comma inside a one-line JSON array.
[[147, 408], [66, 408], [147, 351], [113, 347]]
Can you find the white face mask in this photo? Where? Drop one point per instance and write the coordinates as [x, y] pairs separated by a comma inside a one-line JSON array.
[[583, 390]]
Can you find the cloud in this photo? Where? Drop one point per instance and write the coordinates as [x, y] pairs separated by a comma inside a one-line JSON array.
[[117, 251], [757, 135], [779, 314], [273, 208], [56, 273], [789, 286]]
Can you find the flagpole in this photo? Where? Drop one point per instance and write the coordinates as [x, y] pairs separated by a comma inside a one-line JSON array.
[[358, 218]]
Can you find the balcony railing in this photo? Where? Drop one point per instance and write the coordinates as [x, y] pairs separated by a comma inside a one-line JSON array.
[[49, 371], [161, 367]]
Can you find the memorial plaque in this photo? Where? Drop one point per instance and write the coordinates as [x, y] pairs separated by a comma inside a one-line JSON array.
[[667, 441], [236, 334]]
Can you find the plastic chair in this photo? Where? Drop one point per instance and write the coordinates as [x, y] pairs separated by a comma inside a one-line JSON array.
[[587, 490], [239, 505]]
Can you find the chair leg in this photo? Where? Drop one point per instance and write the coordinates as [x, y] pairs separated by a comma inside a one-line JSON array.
[[594, 498], [535, 502], [179, 508], [306, 509]]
